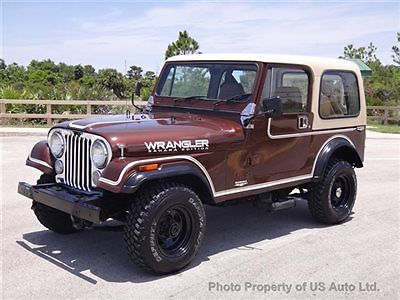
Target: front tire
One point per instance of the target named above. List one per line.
(331, 199)
(165, 228)
(51, 218)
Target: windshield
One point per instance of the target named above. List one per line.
(208, 81)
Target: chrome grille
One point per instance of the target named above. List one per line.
(77, 163)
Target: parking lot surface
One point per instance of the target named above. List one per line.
(247, 252)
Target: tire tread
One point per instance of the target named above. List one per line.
(140, 208)
(316, 193)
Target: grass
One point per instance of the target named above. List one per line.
(377, 126)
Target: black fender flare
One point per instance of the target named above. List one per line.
(170, 170)
(338, 147)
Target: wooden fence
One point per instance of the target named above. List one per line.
(381, 113)
(384, 113)
(50, 116)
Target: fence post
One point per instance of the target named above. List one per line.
(88, 108)
(49, 112)
(385, 115)
(2, 111)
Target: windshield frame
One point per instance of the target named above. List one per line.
(204, 102)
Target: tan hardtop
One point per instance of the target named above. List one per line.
(317, 64)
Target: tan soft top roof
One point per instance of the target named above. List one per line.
(317, 64)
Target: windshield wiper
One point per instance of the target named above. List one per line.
(235, 98)
(189, 98)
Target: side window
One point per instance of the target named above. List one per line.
(166, 90)
(291, 85)
(339, 95)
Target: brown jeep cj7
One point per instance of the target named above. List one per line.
(263, 128)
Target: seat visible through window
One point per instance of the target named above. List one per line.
(329, 105)
(291, 98)
(230, 87)
(339, 95)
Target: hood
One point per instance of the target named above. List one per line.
(162, 132)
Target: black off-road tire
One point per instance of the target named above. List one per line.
(51, 218)
(154, 220)
(331, 199)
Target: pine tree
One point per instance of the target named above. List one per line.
(396, 51)
(185, 44)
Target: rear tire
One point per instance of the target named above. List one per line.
(165, 228)
(331, 199)
(51, 218)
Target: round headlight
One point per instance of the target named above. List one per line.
(99, 154)
(56, 143)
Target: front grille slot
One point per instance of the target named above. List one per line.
(77, 164)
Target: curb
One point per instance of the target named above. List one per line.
(9, 134)
(17, 131)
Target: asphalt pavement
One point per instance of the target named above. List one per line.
(247, 252)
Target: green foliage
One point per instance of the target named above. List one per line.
(383, 87)
(191, 81)
(185, 44)
(8, 92)
(247, 79)
(134, 73)
(89, 70)
(188, 81)
(46, 80)
(113, 80)
(148, 81)
(366, 54)
(12, 74)
(79, 72)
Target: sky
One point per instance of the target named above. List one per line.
(112, 34)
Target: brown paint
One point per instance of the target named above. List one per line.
(235, 153)
(41, 151)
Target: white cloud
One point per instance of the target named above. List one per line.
(302, 28)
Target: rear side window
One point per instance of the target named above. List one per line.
(339, 96)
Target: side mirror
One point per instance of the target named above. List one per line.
(138, 86)
(272, 107)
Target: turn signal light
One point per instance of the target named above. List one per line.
(150, 167)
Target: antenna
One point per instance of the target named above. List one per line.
(128, 113)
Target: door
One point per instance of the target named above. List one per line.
(279, 146)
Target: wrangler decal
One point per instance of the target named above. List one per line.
(173, 146)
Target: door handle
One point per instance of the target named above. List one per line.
(302, 122)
